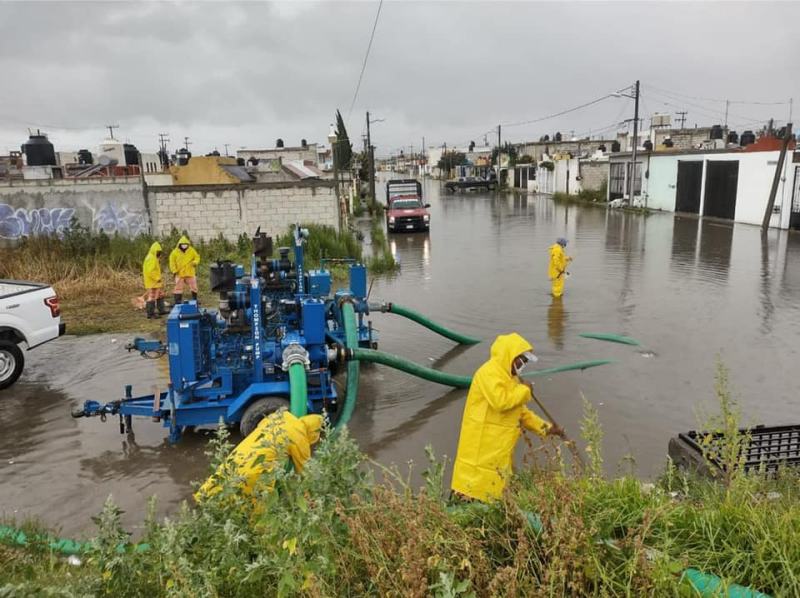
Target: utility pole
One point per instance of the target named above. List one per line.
(226, 148)
(186, 143)
(111, 130)
(635, 141)
(498, 157)
(787, 137)
(422, 157)
(727, 105)
(682, 117)
(162, 143)
(371, 159)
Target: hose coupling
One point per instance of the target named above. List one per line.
(293, 354)
(382, 307)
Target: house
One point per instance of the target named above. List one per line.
(305, 152)
(729, 183)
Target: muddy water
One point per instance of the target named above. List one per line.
(688, 289)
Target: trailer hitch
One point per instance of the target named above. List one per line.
(147, 348)
(93, 408)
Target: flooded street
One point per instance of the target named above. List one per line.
(687, 289)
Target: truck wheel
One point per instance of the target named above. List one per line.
(11, 363)
(258, 410)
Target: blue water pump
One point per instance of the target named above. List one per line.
(233, 364)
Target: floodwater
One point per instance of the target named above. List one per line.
(688, 289)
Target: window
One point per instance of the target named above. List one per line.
(637, 182)
(616, 187)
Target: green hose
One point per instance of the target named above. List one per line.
(430, 324)
(298, 390)
(614, 338)
(709, 585)
(350, 342)
(580, 365)
(410, 367)
(16, 537)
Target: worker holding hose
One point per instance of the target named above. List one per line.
(183, 261)
(557, 271)
(493, 417)
(277, 436)
(153, 283)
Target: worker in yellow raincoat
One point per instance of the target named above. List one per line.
(153, 283)
(183, 261)
(493, 417)
(276, 436)
(557, 271)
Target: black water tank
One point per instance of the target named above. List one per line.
(252, 161)
(557, 137)
(85, 157)
(213, 154)
(240, 161)
(716, 132)
(747, 138)
(668, 142)
(182, 156)
(615, 146)
(733, 137)
(279, 142)
(602, 147)
(648, 145)
(303, 143)
(131, 154)
(39, 151)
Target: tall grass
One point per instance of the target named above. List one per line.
(334, 531)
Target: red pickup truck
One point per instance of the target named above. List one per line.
(404, 208)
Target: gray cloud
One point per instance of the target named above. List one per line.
(247, 73)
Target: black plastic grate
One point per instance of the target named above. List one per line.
(769, 446)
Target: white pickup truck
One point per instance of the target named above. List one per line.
(29, 316)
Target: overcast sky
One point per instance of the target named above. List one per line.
(246, 74)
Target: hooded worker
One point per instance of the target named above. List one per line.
(557, 271)
(183, 261)
(276, 436)
(493, 417)
(153, 283)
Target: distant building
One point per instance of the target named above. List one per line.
(302, 153)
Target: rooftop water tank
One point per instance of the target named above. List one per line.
(85, 157)
(733, 137)
(39, 151)
(131, 154)
(668, 142)
(747, 138)
(557, 137)
(615, 146)
(182, 156)
(716, 132)
(648, 145)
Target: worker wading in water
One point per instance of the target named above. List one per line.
(153, 283)
(494, 415)
(277, 436)
(557, 271)
(183, 263)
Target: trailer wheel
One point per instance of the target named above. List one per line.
(11, 363)
(258, 410)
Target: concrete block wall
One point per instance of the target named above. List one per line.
(208, 211)
(115, 206)
(593, 174)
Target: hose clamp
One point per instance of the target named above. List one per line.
(293, 354)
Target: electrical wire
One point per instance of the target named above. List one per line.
(563, 112)
(697, 107)
(717, 99)
(366, 57)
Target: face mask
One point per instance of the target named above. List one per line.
(183, 247)
(519, 367)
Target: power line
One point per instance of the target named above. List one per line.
(549, 116)
(366, 57)
(704, 99)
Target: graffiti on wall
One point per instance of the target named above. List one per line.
(111, 218)
(118, 219)
(21, 222)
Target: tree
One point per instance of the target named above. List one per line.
(450, 160)
(344, 149)
(507, 149)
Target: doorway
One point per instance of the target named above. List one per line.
(687, 192)
(722, 179)
(794, 220)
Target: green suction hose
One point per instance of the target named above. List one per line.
(351, 343)
(580, 365)
(298, 390)
(398, 363)
(614, 338)
(16, 537)
(417, 317)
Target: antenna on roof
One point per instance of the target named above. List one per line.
(111, 130)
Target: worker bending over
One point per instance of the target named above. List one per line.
(493, 416)
(153, 283)
(276, 436)
(557, 271)
(183, 263)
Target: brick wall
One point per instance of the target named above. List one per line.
(593, 174)
(205, 212)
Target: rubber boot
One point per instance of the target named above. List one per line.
(194, 298)
(150, 307)
(162, 309)
(177, 299)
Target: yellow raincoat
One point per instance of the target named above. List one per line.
(557, 268)
(183, 264)
(275, 436)
(151, 268)
(490, 427)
